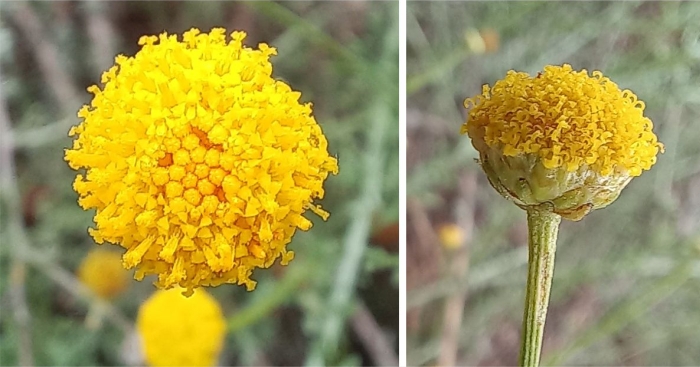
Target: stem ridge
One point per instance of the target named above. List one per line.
(543, 227)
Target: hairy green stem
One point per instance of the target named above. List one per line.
(542, 227)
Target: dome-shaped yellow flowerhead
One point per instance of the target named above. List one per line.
(181, 331)
(197, 161)
(561, 138)
(102, 272)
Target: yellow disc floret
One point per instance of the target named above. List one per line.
(179, 331)
(197, 161)
(568, 118)
(101, 271)
(562, 139)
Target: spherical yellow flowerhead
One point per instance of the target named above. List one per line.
(176, 330)
(101, 271)
(197, 161)
(561, 138)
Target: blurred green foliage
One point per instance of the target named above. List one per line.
(342, 56)
(626, 287)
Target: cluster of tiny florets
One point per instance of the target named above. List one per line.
(197, 161)
(567, 118)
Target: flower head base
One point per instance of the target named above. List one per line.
(102, 272)
(563, 139)
(197, 161)
(179, 331)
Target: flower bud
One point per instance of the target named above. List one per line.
(562, 139)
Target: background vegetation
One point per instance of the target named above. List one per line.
(626, 289)
(336, 303)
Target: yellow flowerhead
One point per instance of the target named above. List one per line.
(197, 161)
(561, 138)
(181, 331)
(451, 236)
(102, 272)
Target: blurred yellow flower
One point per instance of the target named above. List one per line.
(451, 236)
(562, 137)
(102, 272)
(197, 161)
(176, 330)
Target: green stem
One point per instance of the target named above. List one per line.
(543, 227)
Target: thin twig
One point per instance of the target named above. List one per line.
(70, 283)
(426, 237)
(423, 257)
(47, 57)
(358, 231)
(356, 239)
(282, 14)
(41, 136)
(459, 265)
(66, 280)
(356, 236)
(15, 231)
(452, 322)
(10, 193)
(372, 338)
(479, 277)
(102, 35)
(18, 300)
(21, 249)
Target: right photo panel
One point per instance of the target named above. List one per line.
(553, 183)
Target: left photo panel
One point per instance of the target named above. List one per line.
(199, 183)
